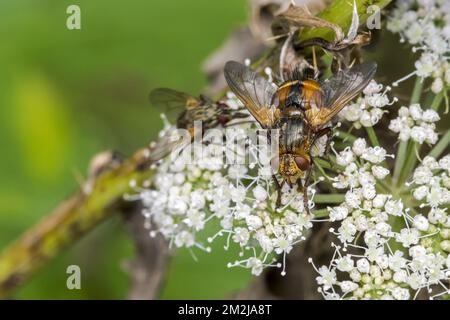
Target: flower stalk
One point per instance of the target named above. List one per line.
(405, 147)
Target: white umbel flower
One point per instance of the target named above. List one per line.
(416, 124)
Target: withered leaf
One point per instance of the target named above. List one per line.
(263, 12)
(299, 16)
(353, 30)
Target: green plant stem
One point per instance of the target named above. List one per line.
(385, 187)
(410, 161)
(446, 102)
(321, 213)
(372, 137)
(322, 171)
(329, 198)
(417, 91)
(346, 136)
(400, 159)
(415, 147)
(441, 146)
(322, 163)
(437, 101)
(340, 12)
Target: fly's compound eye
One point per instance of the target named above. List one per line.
(302, 163)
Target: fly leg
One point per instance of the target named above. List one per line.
(277, 184)
(322, 132)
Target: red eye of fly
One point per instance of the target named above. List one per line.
(302, 163)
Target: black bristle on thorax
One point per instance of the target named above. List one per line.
(301, 74)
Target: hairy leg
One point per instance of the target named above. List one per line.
(277, 184)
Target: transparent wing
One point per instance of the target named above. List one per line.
(172, 142)
(343, 87)
(172, 99)
(253, 90)
(172, 102)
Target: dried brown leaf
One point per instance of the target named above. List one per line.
(263, 12)
(296, 17)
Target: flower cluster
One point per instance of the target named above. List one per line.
(425, 24)
(416, 124)
(431, 182)
(383, 273)
(368, 110)
(228, 185)
(387, 250)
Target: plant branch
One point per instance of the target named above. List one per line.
(69, 221)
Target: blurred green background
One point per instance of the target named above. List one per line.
(68, 94)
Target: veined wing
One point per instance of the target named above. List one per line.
(178, 106)
(170, 99)
(255, 92)
(173, 141)
(339, 90)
